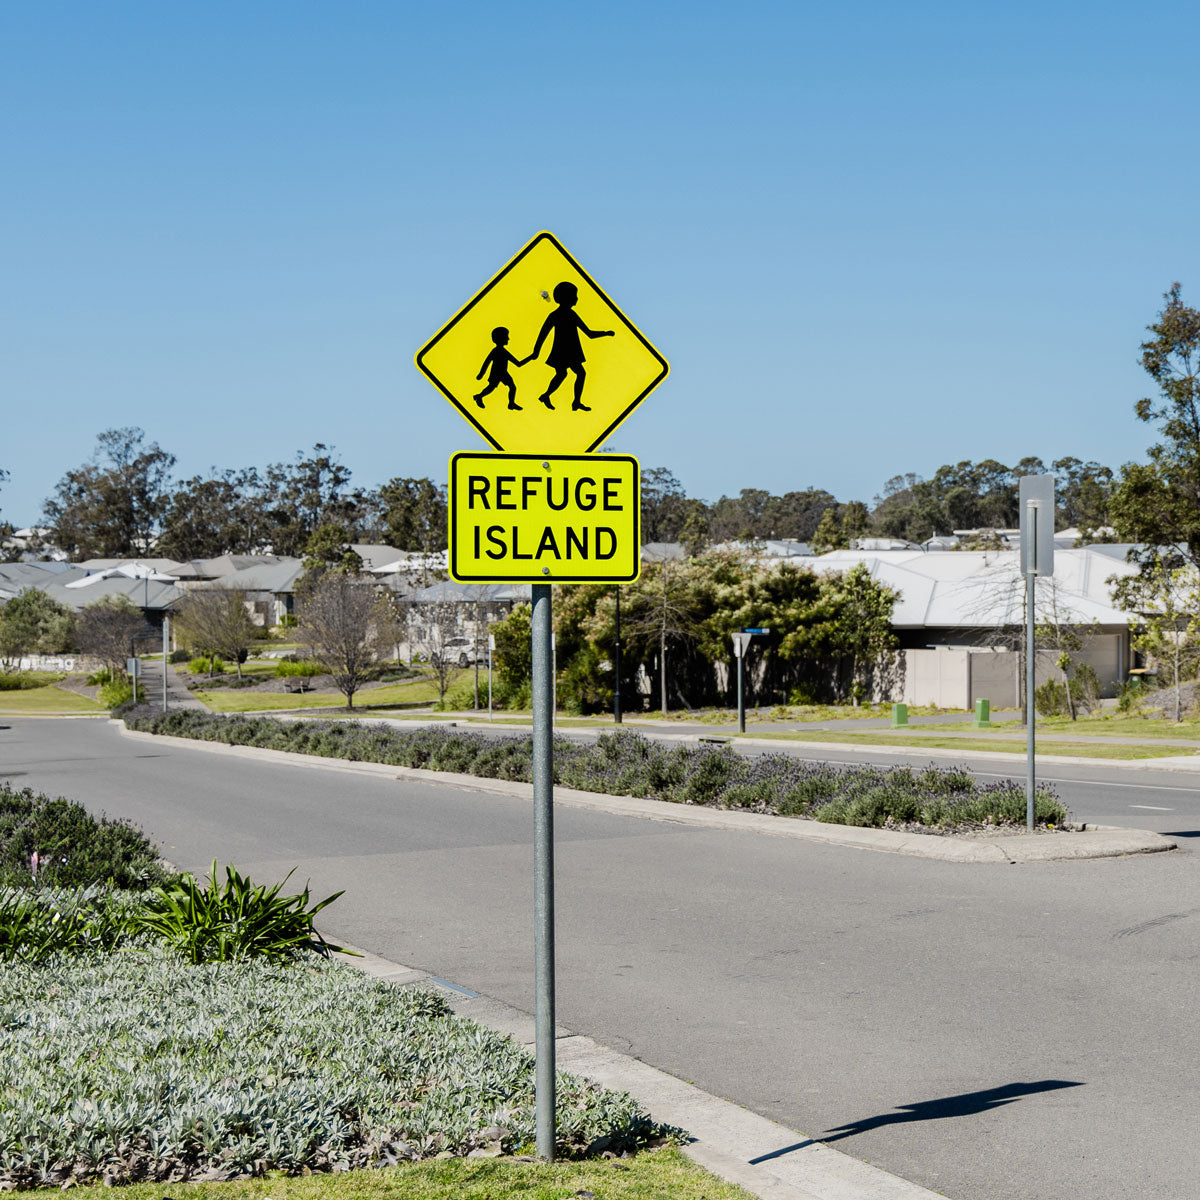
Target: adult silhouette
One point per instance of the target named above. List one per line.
(566, 354)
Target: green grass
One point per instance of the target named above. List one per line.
(663, 1174)
(783, 712)
(20, 680)
(1081, 749)
(1102, 725)
(264, 667)
(46, 700)
(480, 718)
(723, 716)
(418, 691)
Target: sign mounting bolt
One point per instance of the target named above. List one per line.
(545, 570)
(545, 466)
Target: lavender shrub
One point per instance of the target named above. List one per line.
(625, 763)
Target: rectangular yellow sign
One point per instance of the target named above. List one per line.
(545, 518)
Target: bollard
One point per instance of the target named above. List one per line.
(983, 714)
(899, 715)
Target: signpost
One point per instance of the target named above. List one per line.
(741, 643)
(617, 662)
(546, 509)
(1036, 497)
(166, 630)
(491, 651)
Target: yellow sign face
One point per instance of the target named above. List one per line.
(544, 518)
(541, 360)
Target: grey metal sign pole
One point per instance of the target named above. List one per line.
(491, 649)
(166, 644)
(1030, 679)
(543, 867)
(739, 648)
(617, 663)
(1036, 499)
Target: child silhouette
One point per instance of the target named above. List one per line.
(498, 361)
(567, 352)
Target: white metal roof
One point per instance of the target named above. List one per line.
(984, 588)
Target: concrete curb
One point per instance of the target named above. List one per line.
(766, 1158)
(1096, 842)
(55, 716)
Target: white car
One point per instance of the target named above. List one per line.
(461, 650)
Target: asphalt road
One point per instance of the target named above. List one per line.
(990, 1031)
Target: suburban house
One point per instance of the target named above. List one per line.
(269, 585)
(959, 618)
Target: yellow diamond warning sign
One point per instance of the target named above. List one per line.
(541, 360)
(544, 518)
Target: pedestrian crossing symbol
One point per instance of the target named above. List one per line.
(541, 360)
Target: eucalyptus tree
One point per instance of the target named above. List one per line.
(1157, 503)
(112, 506)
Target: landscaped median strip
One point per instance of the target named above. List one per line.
(1070, 843)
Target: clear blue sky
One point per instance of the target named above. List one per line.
(869, 238)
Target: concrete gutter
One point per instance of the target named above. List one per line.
(766, 1158)
(1088, 842)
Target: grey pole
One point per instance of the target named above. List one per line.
(166, 644)
(741, 656)
(491, 647)
(543, 868)
(1030, 672)
(617, 664)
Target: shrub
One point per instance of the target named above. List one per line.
(1051, 698)
(462, 697)
(286, 668)
(179, 656)
(100, 677)
(234, 921)
(203, 665)
(17, 681)
(75, 848)
(118, 692)
(1131, 694)
(626, 763)
(38, 925)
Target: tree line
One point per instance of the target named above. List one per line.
(124, 501)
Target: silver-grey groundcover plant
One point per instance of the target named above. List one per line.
(134, 1065)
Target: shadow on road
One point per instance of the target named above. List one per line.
(1181, 833)
(964, 1105)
